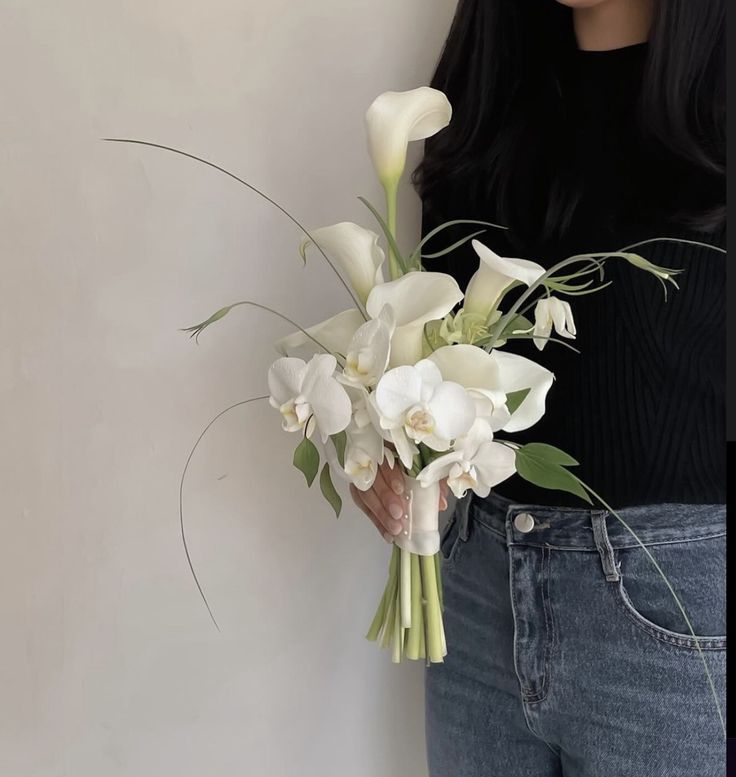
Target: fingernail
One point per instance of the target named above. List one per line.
(396, 527)
(395, 511)
(398, 487)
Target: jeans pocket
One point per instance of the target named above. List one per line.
(696, 571)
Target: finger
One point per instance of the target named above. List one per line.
(393, 477)
(374, 503)
(394, 506)
(443, 494)
(358, 499)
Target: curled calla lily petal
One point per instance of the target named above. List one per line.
(549, 312)
(515, 374)
(477, 463)
(354, 250)
(468, 365)
(494, 275)
(303, 390)
(394, 119)
(415, 298)
(367, 355)
(334, 334)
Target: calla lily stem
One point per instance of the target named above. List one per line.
(391, 190)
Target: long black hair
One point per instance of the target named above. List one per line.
(499, 68)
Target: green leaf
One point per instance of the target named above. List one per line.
(548, 454)
(517, 322)
(328, 490)
(515, 398)
(432, 339)
(415, 254)
(544, 466)
(306, 459)
(453, 246)
(340, 441)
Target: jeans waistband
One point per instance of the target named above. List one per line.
(580, 528)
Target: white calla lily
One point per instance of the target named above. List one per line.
(368, 353)
(334, 334)
(416, 405)
(477, 463)
(549, 312)
(354, 250)
(494, 275)
(394, 119)
(492, 375)
(479, 373)
(515, 374)
(416, 298)
(303, 390)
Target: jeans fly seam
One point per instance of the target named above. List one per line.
(549, 626)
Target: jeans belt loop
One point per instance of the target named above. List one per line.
(603, 544)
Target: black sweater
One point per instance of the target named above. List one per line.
(642, 407)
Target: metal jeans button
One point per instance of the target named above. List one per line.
(524, 522)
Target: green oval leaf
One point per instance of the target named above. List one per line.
(328, 490)
(306, 459)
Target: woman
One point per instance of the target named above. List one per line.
(583, 126)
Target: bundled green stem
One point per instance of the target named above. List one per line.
(408, 619)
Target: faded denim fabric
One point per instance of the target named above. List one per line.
(567, 654)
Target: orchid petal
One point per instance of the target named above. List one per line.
(452, 409)
(285, 378)
(397, 391)
(331, 406)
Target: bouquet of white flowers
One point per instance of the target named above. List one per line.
(416, 373)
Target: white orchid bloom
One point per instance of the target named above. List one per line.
(549, 312)
(477, 463)
(415, 405)
(416, 298)
(478, 372)
(334, 334)
(303, 390)
(368, 353)
(364, 443)
(363, 453)
(495, 274)
(394, 119)
(354, 250)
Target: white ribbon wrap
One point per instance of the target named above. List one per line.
(420, 532)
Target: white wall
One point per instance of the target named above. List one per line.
(108, 662)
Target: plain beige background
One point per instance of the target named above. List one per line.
(109, 665)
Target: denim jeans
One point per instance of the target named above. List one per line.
(567, 654)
